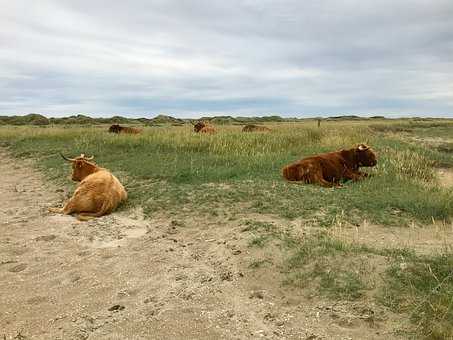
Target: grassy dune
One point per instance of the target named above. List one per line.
(174, 170)
(167, 168)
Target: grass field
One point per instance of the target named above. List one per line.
(173, 170)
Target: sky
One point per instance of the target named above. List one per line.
(192, 58)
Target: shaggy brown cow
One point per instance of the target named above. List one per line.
(203, 127)
(328, 169)
(98, 193)
(116, 128)
(253, 128)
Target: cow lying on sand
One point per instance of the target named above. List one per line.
(253, 128)
(328, 169)
(203, 127)
(98, 193)
(116, 128)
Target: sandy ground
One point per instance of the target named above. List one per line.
(126, 277)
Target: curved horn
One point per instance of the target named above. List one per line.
(85, 157)
(66, 158)
(363, 147)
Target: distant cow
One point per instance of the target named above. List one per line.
(203, 127)
(253, 128)
(116, 128)
(98, 193)
(328, 169)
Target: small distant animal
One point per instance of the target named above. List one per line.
(116, 128)
(328, 169)
(253, 128)
(98, 193)
(203, 127)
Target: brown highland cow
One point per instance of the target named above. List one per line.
(203, 127)
(98, 193)
(116, 128)
(328, 169)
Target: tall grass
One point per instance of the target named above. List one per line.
(166, 168)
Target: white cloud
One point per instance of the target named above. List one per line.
(244, 57)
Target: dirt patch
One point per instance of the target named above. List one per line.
(124, 276)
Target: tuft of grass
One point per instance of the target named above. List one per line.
(328, 267)
(339, 283)
(264, 232)
(259, 263)
(422, 287)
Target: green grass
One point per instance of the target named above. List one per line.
(170, 168)
(423, 288)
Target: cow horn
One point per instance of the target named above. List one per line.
(86, 158)
(66, 158)
(363, 147)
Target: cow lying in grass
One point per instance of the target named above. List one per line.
(116, 128)
(328, 169)
(202, 127)
(253, 128)
(98, 193)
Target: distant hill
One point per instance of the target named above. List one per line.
(246, 120)
(163, 119)
(78, 119)
(349, 117)
(85, 119)
(221, 120)
(30, 119)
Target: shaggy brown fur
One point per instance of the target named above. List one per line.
(98, 193)
(328, 169)
(253, 128)
(116, 128)
(203, 127)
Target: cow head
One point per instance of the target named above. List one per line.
(365, 155)
(198, 126)
(81, 167)
(115, 128)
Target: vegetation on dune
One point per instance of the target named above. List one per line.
(402, 187)
(423, 288)
(161, 119)
(420, 286)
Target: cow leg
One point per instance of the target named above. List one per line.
(319, 179)
(355, 176)
(85, 216)
(363, 174)
(66, 210)
(106, 208)
(56, 210)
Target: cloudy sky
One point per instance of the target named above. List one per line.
(203, 57)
